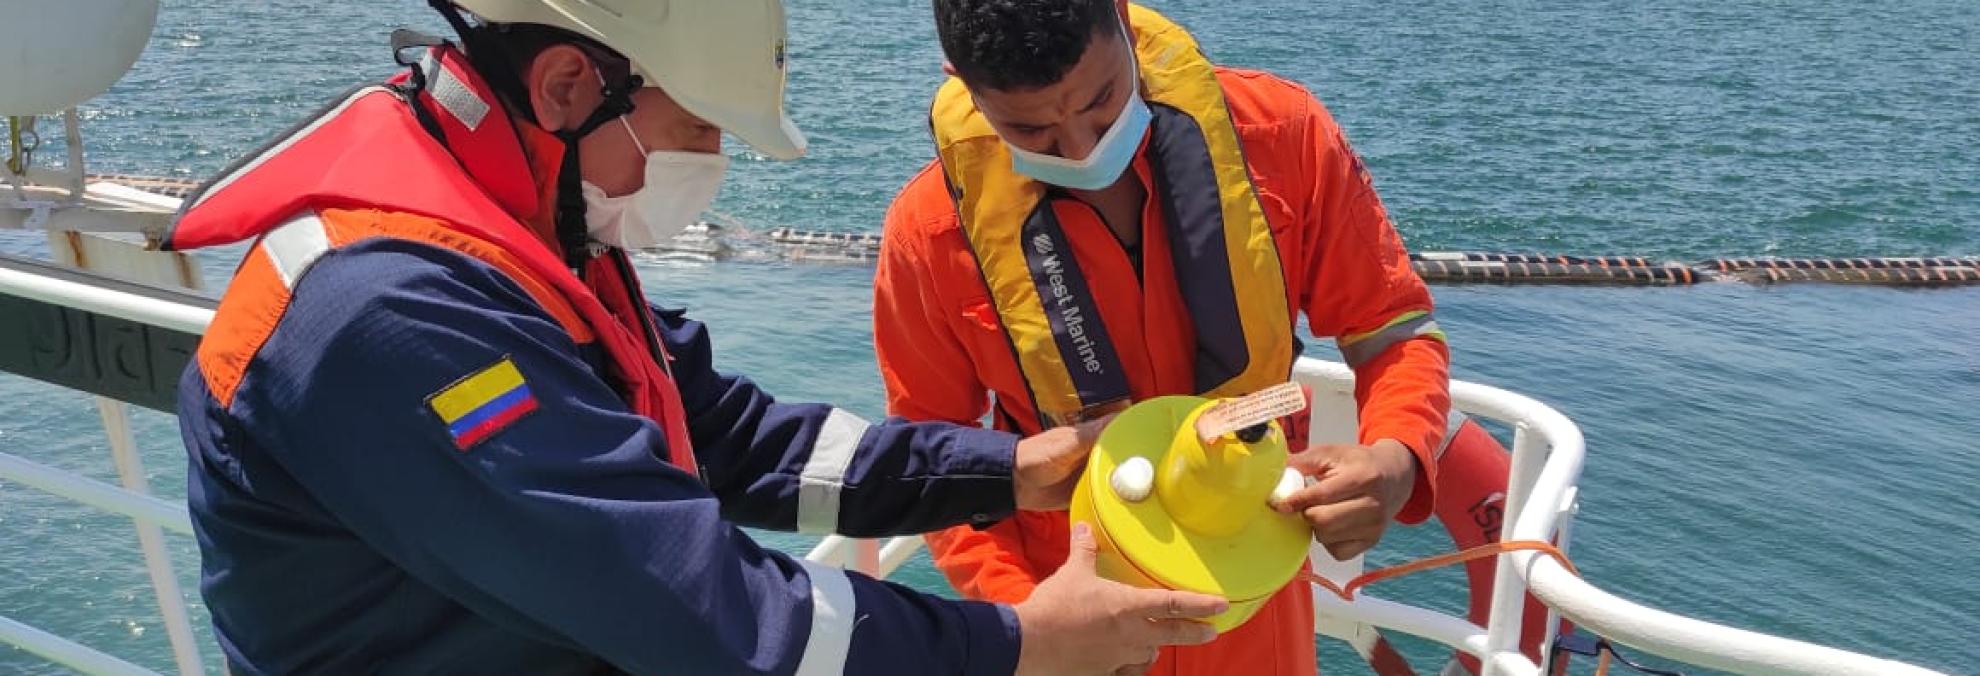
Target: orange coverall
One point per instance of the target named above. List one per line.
(942, 351)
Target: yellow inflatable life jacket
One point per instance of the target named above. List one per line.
(1225, 260)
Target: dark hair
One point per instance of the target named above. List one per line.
(1019, 44)
(524, 41)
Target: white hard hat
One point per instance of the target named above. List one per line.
(722, 60)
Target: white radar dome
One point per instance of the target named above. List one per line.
(55, 54)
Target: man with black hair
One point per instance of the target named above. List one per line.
(1110, 217)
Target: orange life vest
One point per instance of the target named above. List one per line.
(429, 157)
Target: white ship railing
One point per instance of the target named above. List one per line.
(1548, 453)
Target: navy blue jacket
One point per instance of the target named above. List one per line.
(343, 531)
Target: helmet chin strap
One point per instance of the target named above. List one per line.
(489, 58)
(572, 233)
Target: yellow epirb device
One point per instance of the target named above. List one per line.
(1169, 510)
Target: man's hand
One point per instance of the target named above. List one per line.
(1077, 623)
(1360, 489)
(1049, 465)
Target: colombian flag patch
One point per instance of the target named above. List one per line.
(476, 407)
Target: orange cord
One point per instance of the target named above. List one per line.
(1420, 565)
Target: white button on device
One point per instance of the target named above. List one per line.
(1289, 482)
(1133, 480)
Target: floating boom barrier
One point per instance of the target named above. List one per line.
(1451, 267)
(1479, 267)
(714, 242)
(1934, 276)
(1473, 267)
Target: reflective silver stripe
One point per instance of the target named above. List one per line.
(1451, 426)
(824, 474)
(453, 95)
(279, 146)
(293, 246)
(833, 609)
(1361, 351)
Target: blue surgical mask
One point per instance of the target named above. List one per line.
(1109, 157)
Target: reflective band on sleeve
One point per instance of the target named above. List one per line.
(833, 615)
(824, 475)
(1359, 349)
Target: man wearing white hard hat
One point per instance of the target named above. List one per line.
(435, 427)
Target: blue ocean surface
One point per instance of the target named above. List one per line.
(1799, 460)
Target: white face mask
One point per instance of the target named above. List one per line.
(679, 187)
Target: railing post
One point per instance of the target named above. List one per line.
(151, 539)
(1502, 627)
(72, 131)
(1564, 531)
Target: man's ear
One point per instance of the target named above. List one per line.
(949, 68)
(563, 87)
